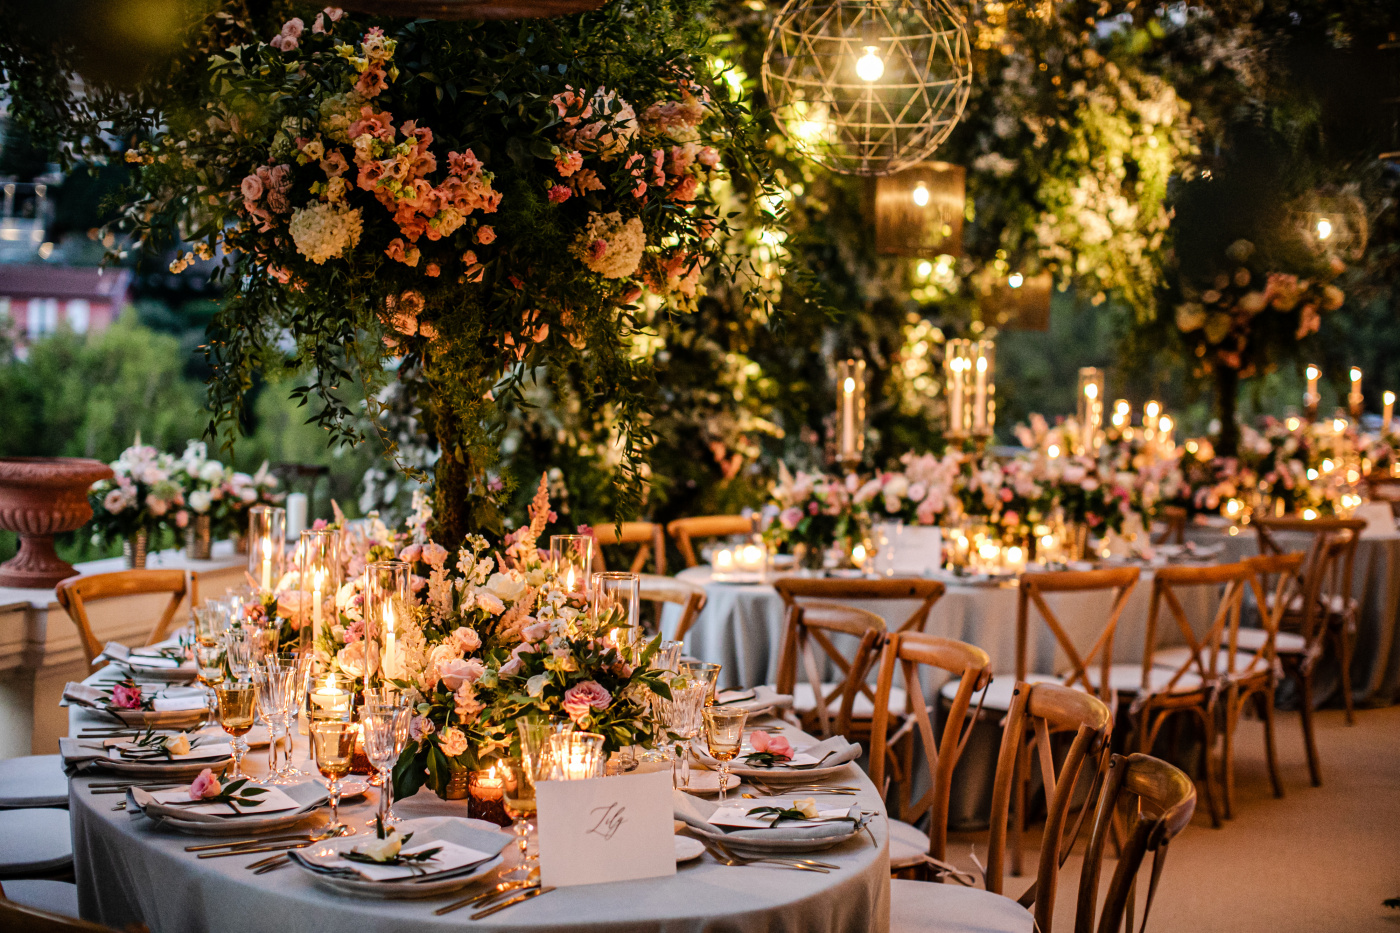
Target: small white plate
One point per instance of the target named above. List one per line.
(706, 783)
(688, 848)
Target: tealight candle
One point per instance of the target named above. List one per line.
(329, 701)
(724, 560)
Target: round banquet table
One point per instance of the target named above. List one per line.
(128, 871)
(742, 624)
(1375, 666)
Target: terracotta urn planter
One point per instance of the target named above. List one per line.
(39, 498)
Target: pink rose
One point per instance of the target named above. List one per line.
(411, 554)
(252, 188)
(457, 672)
(434, 555)
(206, 785)
(581, 698)
(789, 517)
(420, 727)
(533, 633)
(486, 235)
(510, 668)
(294, 605)
(126, 697)
(466, 639)
(182, 519)
(775, 745)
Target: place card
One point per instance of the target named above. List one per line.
(605, 829)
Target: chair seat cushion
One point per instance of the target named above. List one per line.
(57, 897)
(1127, 678)
(1252, 639)
(34, 841)
(998, 692)
(1172, 659)
(928, 907)
(908, 844)
(33, 781)
(861, 707)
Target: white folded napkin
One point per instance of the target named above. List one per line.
(78, 752)
(737, 817)
(84, 695)
(180, 699)
(452, 857)
(140, 657)
(178, 805)
(211, 751)
(830, 753)
(697, 814)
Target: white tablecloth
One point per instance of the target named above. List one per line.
(741, 626)
(130, 872)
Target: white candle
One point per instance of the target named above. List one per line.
(389, 666)
(266, 563)
(955, 404)
(296, 514)
(318, 578)
(1389, 412)
(1311, 398)
(979, 403)
(1354, 397)
(848, 419)
(724, 560)
(1091, 416)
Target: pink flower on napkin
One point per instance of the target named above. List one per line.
(126, 697)
(206, 785)
(581, 698)
(775, 745)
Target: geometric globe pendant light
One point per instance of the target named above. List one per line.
(867, 87)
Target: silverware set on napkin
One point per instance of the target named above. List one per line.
(726, 856)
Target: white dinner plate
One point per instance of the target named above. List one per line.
(253, 825)
(688, 848)
(152, 719)
(396, 890)
(167, 769)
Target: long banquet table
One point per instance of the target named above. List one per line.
(742, 624)
(128, 871)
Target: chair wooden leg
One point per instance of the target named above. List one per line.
(1227, 749)
(1344, 659)
(1309, 739)
(1207, 758)
(1264, 702)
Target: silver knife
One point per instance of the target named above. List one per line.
(519, 898)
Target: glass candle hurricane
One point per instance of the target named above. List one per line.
(575, 756)
(571, 557)
(267, 544)
(318, 566)
(387, 606)
(850, 412)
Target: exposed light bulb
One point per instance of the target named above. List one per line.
(1015, 279)
(1324, 226)
(920, 194)
(870, 66)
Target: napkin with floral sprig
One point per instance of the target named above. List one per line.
(699, 815)
(167, 655)
(129, 695)
(826, 754)
(210, 800)
(443, 846)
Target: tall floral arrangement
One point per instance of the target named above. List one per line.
(920, 494)
(453, 203)
(815, 512)
(215, 489)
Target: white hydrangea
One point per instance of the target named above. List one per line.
(325, 231)
(611, 246)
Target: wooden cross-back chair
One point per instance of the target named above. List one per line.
(1325, 610)
(1034, 587)
(19, 917)
(684, 531)
(650, 539)
(1161, 800)
(76, 594)
(810, 628)
(1173, 530)
(1037, 711)
(661, 590)
(971, 668)
(797, 592)
(1189, 679)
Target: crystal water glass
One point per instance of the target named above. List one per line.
(575, 756)
(703, 671)
(386, 732)
(333, 745)
(724, 735)
(276, 680)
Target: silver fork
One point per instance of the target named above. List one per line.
(735, 861)
(724, 847)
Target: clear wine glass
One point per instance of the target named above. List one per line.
(518, 782)
(386, 733)
(333, 744)
(724, 734)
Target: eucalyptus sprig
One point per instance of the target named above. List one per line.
(766, 759)
(801, 810)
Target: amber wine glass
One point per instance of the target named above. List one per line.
(236, 701)
(518, 784)
(724, 734)
(333, 744)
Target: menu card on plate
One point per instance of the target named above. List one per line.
(605, 829)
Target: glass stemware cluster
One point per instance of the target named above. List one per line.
(384, 720)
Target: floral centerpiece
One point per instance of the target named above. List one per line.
(810, 513)
(920, 494)
(144, 496)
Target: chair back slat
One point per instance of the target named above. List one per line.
(1160, 800)
(650, 538)
(1038, 711)
(689, 596)
(76, 594)
(685, 530)
(1119, 581)
(1327, 574)
(1204, 643)
(911, 651)
(20, 917)
(927, 592)
(807, 628)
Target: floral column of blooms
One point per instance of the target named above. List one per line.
(454, 203)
